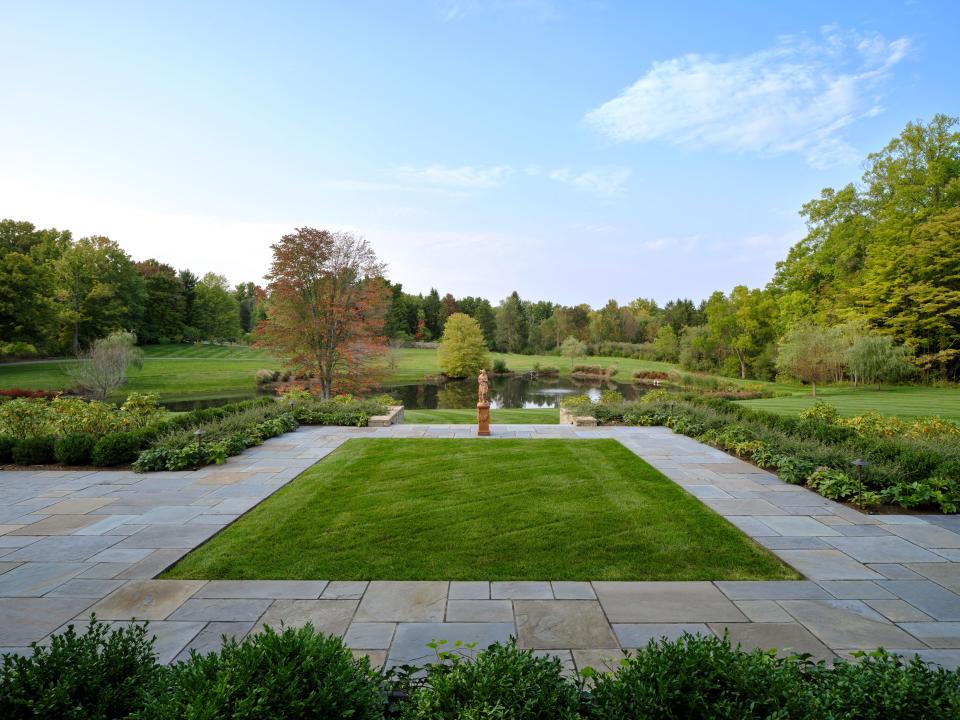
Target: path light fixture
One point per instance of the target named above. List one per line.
(198, 434)
(860, 464)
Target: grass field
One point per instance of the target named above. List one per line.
(196, 372)
(390, 509)
(504, 416)
(905, 401)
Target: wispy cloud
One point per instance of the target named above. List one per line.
(466, 176)
(794, 97)
(451, 10)
(608, 182)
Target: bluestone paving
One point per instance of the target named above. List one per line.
(637, 635)
(73, 541)
(559, 624)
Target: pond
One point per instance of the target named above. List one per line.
(512, 391)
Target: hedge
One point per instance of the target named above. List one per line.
(299, 673)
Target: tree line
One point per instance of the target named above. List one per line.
(58, 294)
(881, 258)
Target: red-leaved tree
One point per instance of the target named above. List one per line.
(327, 307)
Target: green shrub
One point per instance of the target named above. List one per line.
(98, 675)
(119, 448)
(880, 686)
(294, 674)
(6, 448)
(74, 449)
(702, 677)
(34, 451)
(501, 682)
(500, 366)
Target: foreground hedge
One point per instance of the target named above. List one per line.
(299, 673)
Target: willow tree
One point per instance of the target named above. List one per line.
(327, 308)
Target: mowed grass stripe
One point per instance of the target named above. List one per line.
(438, 509)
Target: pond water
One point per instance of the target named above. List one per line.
(513, 391)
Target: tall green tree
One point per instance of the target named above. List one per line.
(511, 324)
(163, 310)
(98, 290)
(462, 351)
(27, 289)
(743, 324)
(217, 310)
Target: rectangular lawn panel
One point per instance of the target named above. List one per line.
(439, 509)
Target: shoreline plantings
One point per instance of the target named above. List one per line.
(107, 674)
(76, 432)
(911, 464)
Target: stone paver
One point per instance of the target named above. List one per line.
(559, 624)
(788, 637)
(665, 602)
(72, 542)
(401, 601)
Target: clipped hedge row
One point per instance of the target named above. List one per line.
(907, 471)
(299, 673)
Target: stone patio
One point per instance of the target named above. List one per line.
(72, 543)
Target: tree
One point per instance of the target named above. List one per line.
(431, 312)
(875, 358)
(511, 325)
(810, 354)
(481, 311)
(163, 303)
(99, 290)
(216, 310)
(573, 348)
(462, 351)
(743, 323)
(328, 303)
(189, 283)
(666, 345)
(27, 291)
(102, 368)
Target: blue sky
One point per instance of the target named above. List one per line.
(573, 151)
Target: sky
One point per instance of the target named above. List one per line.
(572, 151)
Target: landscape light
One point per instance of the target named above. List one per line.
(860, 465)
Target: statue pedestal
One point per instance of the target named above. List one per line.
(483, 419)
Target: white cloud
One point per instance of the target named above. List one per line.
(794, 97)
(451, 10)
(607, 182)
(466, 176)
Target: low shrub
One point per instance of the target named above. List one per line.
(500, 367)
(651, 375)
(119, 448)
(36, 450)
(6, 448)
(265, 377)
(702, 677)
(100, 674)
(501, 682)
(74, 449)
(597, 370)
(24, 393)
(297, 673)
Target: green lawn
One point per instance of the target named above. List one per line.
(428, 509)
(546, 416)
(194, 372)
(904, 401)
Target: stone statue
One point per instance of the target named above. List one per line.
(484, 388)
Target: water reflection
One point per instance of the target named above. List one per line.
(505, 392)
